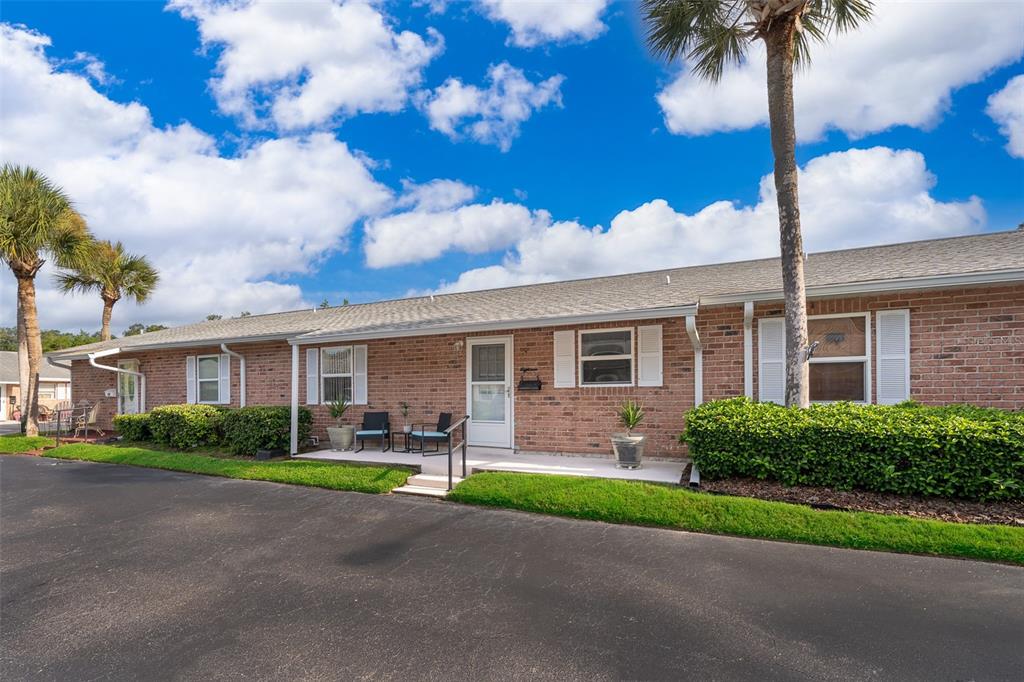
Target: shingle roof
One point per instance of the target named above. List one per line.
(9, 369)
(645, 292)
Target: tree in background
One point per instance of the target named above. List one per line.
(325, 304)
(51, 339)
(113, 274)
(712, 35)
(211, 318)
(139, 328)
(36, 220)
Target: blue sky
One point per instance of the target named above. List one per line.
(254, 187)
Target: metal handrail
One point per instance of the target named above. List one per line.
(463, 422)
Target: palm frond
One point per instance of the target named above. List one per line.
(710, 35)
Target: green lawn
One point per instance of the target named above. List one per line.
(14, 443)
(655, 505)
(364, 479)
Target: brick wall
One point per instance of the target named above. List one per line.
(967, 345)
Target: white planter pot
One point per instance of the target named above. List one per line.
(407, 428)
(629, 450)
(341, 437)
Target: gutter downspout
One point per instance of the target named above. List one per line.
(698, 360)
(294, 449)
(698, 381)
(57, 364)
(241, 372)
(119, 370)
(748, 350)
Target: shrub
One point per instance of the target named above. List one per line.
(260, 427)
(955, 451)
(133, 426)
(186, 426)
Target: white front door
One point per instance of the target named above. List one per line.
(128, 388)
(489, 391)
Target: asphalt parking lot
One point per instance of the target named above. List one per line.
(111, 572)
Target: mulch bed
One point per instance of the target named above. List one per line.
(959, 511)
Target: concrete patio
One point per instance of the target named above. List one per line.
(496, 459)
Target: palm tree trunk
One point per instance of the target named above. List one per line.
(779, 41)
(29, 318)
(108, 310)
(22, 365)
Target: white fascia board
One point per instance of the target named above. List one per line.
(876, 286)
(647, 314)
(204, 343)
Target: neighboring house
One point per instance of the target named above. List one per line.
(939, 321)
(54, 385)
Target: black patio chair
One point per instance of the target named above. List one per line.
(431, 433)
(375, 425)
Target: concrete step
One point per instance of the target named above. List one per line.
(421, 490)
(432, 481)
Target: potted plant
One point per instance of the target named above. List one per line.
(403, 407)
(629, 449)
(342, 435)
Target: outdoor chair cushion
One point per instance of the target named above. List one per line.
(429, 434)
(371, 432)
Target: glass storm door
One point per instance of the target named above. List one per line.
(489, 392)
(128, 388)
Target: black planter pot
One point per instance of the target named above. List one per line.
(269, 454)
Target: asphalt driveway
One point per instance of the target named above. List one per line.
(111, 572)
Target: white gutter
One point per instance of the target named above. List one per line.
(241, 372)
(874, 286)
(121, 370)
(748, 349)
(698, 360)
(457, 328)
(294, 449)
(199, 343)
(57, 364)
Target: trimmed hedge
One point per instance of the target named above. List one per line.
(956, 451)
(186, 426)
(133, 427)
(259, 427)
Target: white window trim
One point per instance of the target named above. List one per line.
(866, 358)
(631, 357)
(350, 374)
(216, 380)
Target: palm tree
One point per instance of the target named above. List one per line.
(712, 34)
(113, 274)
(36, 219)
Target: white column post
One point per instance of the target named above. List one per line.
(748, 349)
(295, 400)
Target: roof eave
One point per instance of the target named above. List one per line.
(75, 354)
(875, 286)
(644, 314)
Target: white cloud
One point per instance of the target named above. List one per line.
(221, 229)
(1006, 108)
(853, 198)
(492, 115)
(440, 220)
(534, 22)
(308, 63)
(900, 69)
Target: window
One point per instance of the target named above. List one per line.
(208, 378)
(839, 367)
(606, 357)
(335, 374)
(47, 392)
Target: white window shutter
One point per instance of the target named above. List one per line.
(190, 379)
(359, 392)
(565, 359)
(312, 376)
(892, 359)
(224, 388)
(771, 357)
(649, 350)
